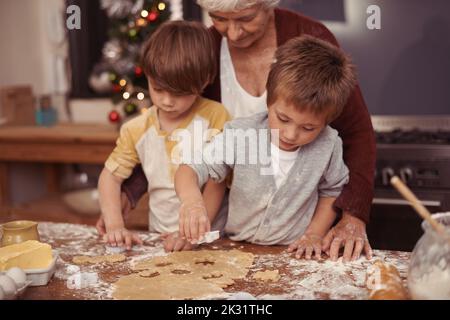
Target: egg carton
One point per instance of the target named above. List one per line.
(18, 292)
(41, 277)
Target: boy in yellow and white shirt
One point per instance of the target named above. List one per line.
(178, 61)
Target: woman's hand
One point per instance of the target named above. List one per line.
(349, 233)
(173, 242)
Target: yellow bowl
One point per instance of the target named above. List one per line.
(19, 231)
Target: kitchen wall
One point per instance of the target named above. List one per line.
(404, 68)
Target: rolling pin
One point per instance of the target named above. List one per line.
(384, 282)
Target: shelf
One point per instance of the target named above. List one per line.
(52, 208)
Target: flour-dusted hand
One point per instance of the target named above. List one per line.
(120, 237)
(173, 242)
(349, 233)
(306, 245)
(126, 209)
(194, 221)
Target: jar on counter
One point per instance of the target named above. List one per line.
(429, 270)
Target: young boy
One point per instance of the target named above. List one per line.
(290, 201)
(179, 62)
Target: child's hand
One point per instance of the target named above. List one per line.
(194, 221)
(173, 242)
(121, 236)
(307, 244)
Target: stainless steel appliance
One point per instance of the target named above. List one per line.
(417, 149)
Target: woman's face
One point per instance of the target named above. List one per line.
(244, 27)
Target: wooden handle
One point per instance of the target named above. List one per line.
(416, 204)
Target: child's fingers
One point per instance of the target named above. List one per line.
(187, 229)
(194, 228)
(179, 244)
(128, 241)
(308, 252)
(293, 246)
(203, 226)
(119, 238)
(300, 250)
(318, 251)
(112, 239)
(168, 244)
(135, 237)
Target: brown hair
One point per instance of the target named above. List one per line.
(179, 57)
(312, 75)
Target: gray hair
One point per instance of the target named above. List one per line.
(232, 5)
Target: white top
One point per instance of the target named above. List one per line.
(282, 162)
(238, 102)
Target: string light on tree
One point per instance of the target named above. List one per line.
(130, 109)
(138, 71)
(152, 16)
(161, 6)
(131, 22)
(140, 96)
(114, 116)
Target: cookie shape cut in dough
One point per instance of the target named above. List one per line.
(268, 275)
(184, 275)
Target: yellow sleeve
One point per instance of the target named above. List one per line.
(216, 114)
(124, 156)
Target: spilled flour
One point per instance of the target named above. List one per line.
(299, 279)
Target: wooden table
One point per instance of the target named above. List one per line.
(63, 143)
(300, 279)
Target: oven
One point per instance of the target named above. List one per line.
(417, 149)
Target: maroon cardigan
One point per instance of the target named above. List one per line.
(354, 125)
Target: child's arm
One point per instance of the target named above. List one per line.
(193, 213)
(212, 197)
(109, 191)
(311, 240)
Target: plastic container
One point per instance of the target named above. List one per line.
(40, 277)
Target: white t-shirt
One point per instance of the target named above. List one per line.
(238, 102)
(282, 162)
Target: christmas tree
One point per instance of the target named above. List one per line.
(130, 23)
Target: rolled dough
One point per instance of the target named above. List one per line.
(184, 275)
(99, 259)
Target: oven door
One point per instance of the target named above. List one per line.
(394, 225)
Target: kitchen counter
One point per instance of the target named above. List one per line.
(300, 279)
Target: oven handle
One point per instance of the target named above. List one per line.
(402, 202)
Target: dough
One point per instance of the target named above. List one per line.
(99, 259)
(268, 275)
(384, 282)
(163, 287)
(184, 275)
(30, 254)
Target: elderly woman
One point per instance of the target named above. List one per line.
(247, 33)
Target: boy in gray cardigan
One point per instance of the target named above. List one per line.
(287, 166)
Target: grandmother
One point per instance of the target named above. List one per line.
(246, 34)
